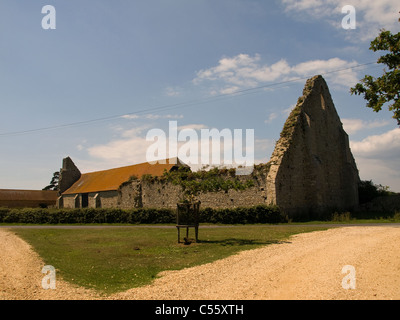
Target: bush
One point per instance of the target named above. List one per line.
(367, 191)
(257, 214)
(241, 215)
(341, 217)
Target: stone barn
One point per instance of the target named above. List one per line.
(102, 189)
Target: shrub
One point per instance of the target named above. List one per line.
(340, 217)
(367, 191)
(241, 215)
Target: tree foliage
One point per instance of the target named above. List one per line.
(54, 182)
(367, 191)
(385, 89)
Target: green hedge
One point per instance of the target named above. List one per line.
(258, 214)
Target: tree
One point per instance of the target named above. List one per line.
(54, 182)
(384, 89)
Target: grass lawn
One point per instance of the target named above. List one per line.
(116, 259)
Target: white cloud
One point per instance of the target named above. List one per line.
(272, 116)
(371, 16)
(244, 71)
(227, 90)
(344, 77)
(380, 172)
(131, 147)
(173, 91)
(383, 146)
(378, 157)
(287, 111)
(352, 126)
(122, 151)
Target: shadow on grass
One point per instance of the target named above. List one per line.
(242, 242)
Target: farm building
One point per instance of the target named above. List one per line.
(12, 198)
(102, 189)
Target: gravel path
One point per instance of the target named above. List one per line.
(307, 266)
(21, 274)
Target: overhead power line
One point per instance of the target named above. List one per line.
(176, 105)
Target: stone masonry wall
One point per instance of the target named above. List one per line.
(69, 174)
(103, 199)
(130, 195)
(68, 201)
(312, 168)
(161, 194)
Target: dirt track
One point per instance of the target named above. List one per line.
(307, 266)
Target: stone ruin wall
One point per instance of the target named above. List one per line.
(312, 168)
(69, 173)
(161, 194)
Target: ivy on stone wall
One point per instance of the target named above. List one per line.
(202, 181)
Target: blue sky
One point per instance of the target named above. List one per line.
(140, 64)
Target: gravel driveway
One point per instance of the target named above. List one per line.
(306, 266)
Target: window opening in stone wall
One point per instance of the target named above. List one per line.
(85, 200)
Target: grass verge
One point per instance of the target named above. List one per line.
(116, 259)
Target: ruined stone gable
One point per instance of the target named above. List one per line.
(69, 174)
(312, 167)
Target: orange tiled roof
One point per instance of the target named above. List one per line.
(108, 180)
